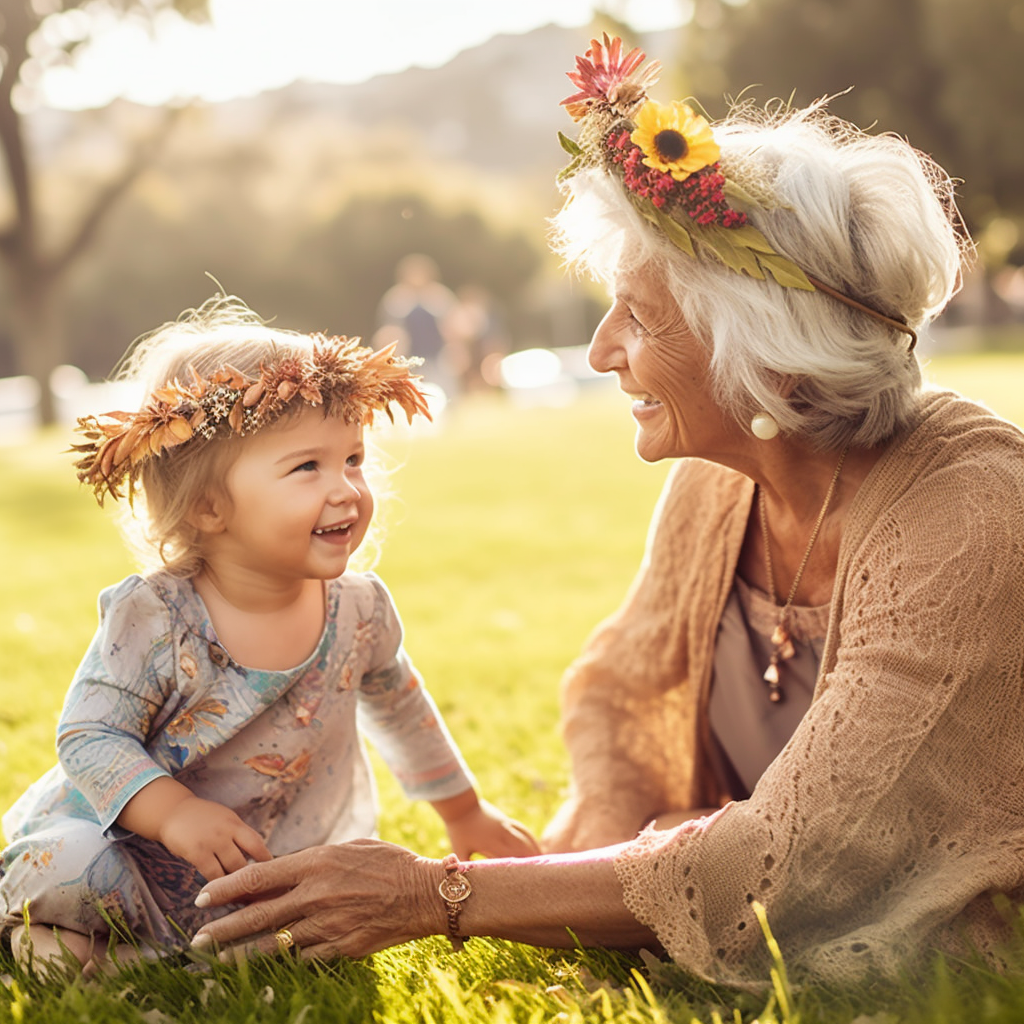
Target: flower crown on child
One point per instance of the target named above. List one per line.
(339, 374)
(668, 162)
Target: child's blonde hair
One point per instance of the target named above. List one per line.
(173, 366)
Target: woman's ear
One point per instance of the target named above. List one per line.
(208, 514)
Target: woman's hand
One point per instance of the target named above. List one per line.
(347, 900)
(484, 829)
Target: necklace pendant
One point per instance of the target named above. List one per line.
(771, 677)
(784, 649)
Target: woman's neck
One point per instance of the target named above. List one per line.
(263, 626)
(795, 479)
(795, 482)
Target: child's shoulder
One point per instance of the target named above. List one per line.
(156, 593)
(367, 595)
(361, 587)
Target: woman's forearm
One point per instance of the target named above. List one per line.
(554, 900)
(365, 895)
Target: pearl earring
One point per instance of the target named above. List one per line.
(764, 426)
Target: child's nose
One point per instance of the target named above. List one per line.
(344, 491)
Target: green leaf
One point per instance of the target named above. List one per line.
(750, 237)
(677, 233)
(569, 170)
(785, 271)
(742, 199)
(731, 250)
(571, 147)
(739, 196)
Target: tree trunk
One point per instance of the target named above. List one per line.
(39, 341)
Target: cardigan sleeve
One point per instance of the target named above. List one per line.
(898, 804)
(630, 702)
(123, 682)
(398, 715)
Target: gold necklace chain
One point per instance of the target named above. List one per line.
(781, 639)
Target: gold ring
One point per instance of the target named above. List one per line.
(285, 939)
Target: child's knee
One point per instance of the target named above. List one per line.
(63, 877)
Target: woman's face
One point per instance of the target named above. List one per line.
(662, 366)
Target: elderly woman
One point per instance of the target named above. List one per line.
(821, 662)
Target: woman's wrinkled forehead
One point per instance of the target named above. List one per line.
(643, 288)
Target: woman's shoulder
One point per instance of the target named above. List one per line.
(954, 442)
(957, 424)
(955, 478)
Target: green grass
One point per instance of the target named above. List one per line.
(510, 534)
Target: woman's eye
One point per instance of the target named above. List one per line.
(638, 328)
(634, 324)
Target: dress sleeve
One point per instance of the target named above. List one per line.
(124, 680)
(398, 715)
(898, 804)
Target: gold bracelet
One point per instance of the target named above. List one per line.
(454, 889)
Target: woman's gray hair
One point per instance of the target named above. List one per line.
(868, 215)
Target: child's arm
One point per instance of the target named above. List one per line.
(402, 721)
(475, 826)
(205, 833)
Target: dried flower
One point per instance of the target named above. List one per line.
(348, 379)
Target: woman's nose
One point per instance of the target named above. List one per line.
(604, 353)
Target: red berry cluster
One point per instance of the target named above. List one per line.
(701, 195)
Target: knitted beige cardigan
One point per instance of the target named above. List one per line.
(897, 807)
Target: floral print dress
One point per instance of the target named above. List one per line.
(157, 694)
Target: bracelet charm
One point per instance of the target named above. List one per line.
(454, 889)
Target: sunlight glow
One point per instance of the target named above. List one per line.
(253, 45)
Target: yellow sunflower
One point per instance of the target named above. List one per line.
(674, 139)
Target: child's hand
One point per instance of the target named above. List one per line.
(483, 829)
(211, 837)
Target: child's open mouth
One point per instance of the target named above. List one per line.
(323, 531)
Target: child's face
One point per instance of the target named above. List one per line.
(298, 503)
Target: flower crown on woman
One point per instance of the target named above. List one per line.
(338, 374)
(668, 163)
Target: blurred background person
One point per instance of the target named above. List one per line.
(477, 341)
(414, 311)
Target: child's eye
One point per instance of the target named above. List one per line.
(306, 467)
(355, 459)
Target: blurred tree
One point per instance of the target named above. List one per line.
(37, 267)
(944, 73)
(361, 246)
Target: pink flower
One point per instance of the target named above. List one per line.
(610, 78)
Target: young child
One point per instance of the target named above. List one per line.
(214, 717)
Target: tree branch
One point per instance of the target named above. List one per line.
(19, 240)
(143, 158)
